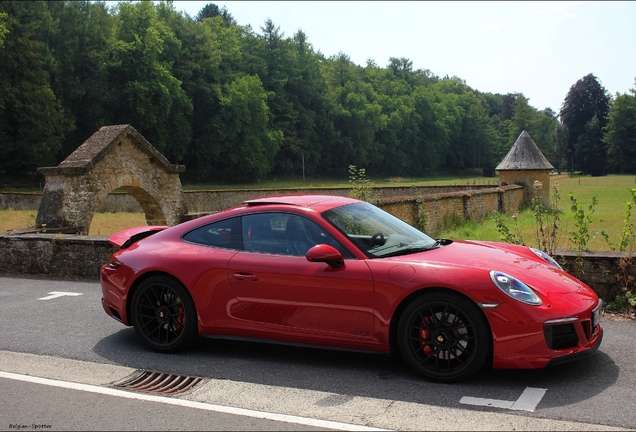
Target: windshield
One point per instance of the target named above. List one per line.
(376, 232)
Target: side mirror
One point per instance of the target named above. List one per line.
(327, 254)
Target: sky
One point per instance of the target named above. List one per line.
(540, 49)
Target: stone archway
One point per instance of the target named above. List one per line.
(113, 157)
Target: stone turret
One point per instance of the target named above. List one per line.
(523, 165)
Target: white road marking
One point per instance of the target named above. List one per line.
(495, 403)
(528, 400)
(190, 404)
(56, 294)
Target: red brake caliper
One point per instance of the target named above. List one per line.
(425, 335)
(180, 318)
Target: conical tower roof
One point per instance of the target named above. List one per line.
(524, 155)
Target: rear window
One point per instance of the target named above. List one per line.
(224, 234)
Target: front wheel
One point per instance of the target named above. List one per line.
(164, 315)
(444, 336)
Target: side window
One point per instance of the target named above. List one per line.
(265, 233)
(222, 234)
(284, 234)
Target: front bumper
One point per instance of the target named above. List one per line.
(523, 341)
(578, 355)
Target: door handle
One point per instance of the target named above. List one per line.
(246, 277)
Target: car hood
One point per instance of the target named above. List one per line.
(521, 263)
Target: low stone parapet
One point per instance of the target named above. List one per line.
(56, 255)
(77, 256)
(601, 270)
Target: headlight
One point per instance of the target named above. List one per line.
(515, 288)
(544, 256)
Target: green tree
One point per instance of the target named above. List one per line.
(242, 146)
(280, 68)
(399, 136)
(432, 134)
(402, 68)
(207, 58)
(471, 135)
(492, 102)
(590, 151)
(81, 50)
(522, 118)
(560, 138)
(32, 121)
(146, 94)
(175, 78)
(539, 124)
(620, 133)
(358, 118)
(305, 89)
(211, 10)
(253, 49)
(3, 27)
(585, 99)
(508, 101)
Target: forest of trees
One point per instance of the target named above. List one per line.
(237, 105)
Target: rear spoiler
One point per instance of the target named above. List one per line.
(124, 239)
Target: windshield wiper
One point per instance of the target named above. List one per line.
(412, 249)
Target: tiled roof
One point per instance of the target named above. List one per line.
(95, 147)
(524, 155)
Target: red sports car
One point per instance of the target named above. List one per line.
(338, 272)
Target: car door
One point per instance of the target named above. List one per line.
(279, 288)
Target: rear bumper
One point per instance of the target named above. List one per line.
(113, 295)
(109, 308)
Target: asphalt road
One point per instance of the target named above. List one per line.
(31, 406)
(67, 335)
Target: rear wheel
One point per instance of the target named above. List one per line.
(444, 336)
(164, 315)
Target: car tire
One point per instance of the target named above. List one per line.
(444, 336)
(164, 315)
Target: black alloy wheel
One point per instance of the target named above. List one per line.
(444, 336)
(164, 315)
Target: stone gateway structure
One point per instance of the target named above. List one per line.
(114, 157)
(523, 165)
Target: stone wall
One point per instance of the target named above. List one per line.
(210, 201)
(526, 178)
(20, 201)
(73, 256)
(442, 209)
(438, 205)
(57, 255)
(599, 269)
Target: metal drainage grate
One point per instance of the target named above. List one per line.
(156, 382)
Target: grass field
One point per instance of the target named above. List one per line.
(612, 193)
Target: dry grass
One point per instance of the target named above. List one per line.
(102, 224)
(17, 219)
(110, 223)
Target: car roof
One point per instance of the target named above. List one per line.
(316, 202)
